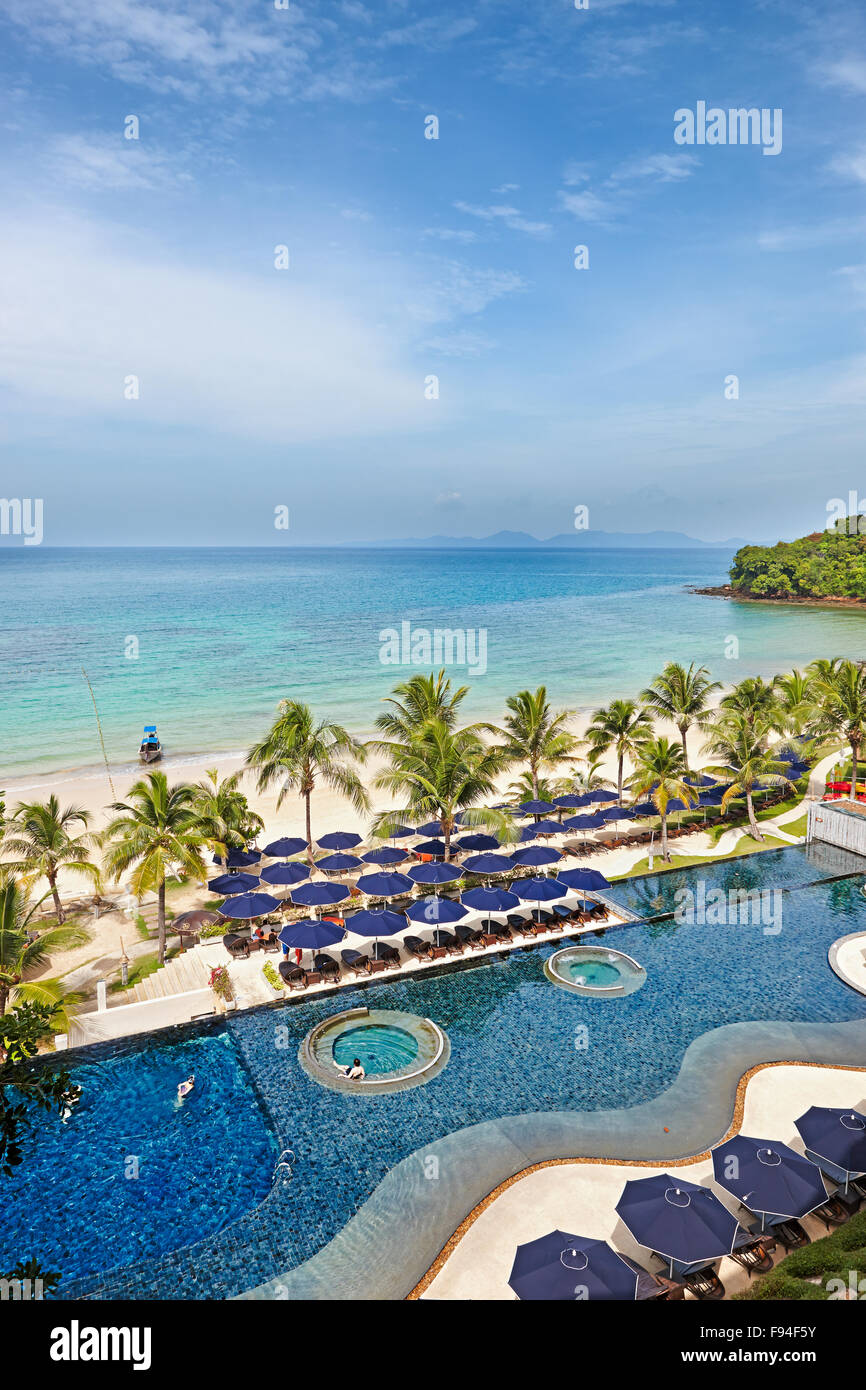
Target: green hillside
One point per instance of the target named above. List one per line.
(827, 564)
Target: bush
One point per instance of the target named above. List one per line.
(213, 929)
(271, 976)
(220, 982)
(833, 1257)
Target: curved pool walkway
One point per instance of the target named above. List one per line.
(392, 1241)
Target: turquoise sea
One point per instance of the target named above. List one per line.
(221, 635)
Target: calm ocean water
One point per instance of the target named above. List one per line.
(223, 634)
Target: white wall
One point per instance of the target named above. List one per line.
(139, 1018)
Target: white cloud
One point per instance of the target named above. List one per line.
(112, 163)
(463, 343)
(589, 206)
(511, 217)
(662, 168)
(848, 73)
(452, 288)
(451, 234)
(851, 165)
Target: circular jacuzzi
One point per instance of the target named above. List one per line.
(595, 971)
(397, 1050)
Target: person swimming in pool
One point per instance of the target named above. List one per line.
(353, 1073)
(185, 1087)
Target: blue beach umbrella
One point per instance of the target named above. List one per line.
(319, 894)
(571, 800)
(233, 883)
(534, 856)
(488, 864)
(430, 827)
(239, 858)
(527, 834)
(434, 874)
(285, 847)
(838, 1137)
(384, 885)
(286, 874)
(645, 808)
(548, 827)
(562, 1268)
(338, 863)
(385, 855)
(617, 813)
(339, 839)
(536, 808)
(599, 796)
(376, 922)
(583, 880)
(771, 1179)
(699, 779)
(593, 822)
(680, 1220)
(435, 911)
(490, 899)
(248, 905)
(539, 890)
(478, 842)
(436, 848)
(311, 934)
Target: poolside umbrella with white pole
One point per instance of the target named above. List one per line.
(836, 1138)
(560, 1267)
(534, 856)
(434, 911)
(478, 842)
(584, 822)
(599, 796)
(488, 864)
(384, 856)
(612, 813)
(570, 801)
(435, 848)
(239, 858)
(339, 839)
(285, 847)
(768, 1178)
(585, 880)
(685, 1223)
(229, 884)
(490, 899)
(548, 827)
(319, 894)
(246, 906)
(311, 934)
(384, 885)
(536, 808)
(432, 875)
(540, 890)
(376, 922)
(338, 863)
(286, 875)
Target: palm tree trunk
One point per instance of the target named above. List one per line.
(160, 923)
(684, 729)
(58, 906)
(446, 836)
(753, 823)
(855, 758)
(534, 771)
(619, 780)
(308, 822)
(666, 859)
(4, 999)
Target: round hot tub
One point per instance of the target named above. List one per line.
(396, 1050)
(595, 971)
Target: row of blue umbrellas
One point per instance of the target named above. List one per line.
(686, 1223)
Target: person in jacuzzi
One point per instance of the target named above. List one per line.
(185, 1087)
(353, 1073)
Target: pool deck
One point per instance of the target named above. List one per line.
(580, 1196)
(847, 957)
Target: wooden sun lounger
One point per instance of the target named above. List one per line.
(755, 1256)
(355, 962)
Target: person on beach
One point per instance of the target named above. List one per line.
(353, 1073)
(185, 1087)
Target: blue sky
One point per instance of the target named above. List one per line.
(411, 257)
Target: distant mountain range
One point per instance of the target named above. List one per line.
(586, 540)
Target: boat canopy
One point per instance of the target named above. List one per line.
(150, 728)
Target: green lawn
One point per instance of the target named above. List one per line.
(833, 1257)
(685, 861)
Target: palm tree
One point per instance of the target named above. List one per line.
(660, 768)
(298, 751)
(536, 735)
(414, 702)
(841, 693)
(21, 951)
(157, 833)
(587, 779)
(223, 812)
(757, 701)
(682, 696)
(622, 726)
(440, 772)
(39, 840)
(795, 693)
(741, 745)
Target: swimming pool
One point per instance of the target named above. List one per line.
(518, 1047)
